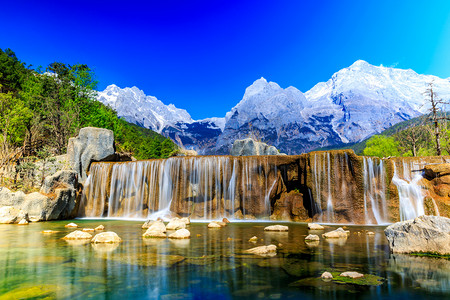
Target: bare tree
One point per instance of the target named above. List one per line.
(435, 114)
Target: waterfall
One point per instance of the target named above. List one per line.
(409, 191)
(204, 188)
(375, 206)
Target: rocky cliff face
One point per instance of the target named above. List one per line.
(334, 186)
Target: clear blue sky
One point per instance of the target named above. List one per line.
(201, 55)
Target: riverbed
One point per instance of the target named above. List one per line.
(211, 264)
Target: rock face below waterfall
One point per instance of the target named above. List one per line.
(91, 144)
(57, 200)
(428, 234)
(249, 147)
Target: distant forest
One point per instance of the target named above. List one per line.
(41, 108)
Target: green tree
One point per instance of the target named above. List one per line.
(381, 146)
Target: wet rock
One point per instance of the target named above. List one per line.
(351, 275)
(336, 234)
(156, 230)
(276, 228)
(326, 276)
(186, 220)
(106, 237)
(77, 235)
(253, 239)
(99, 227)
(49, 231)
(215, 224)
(71, 225)
(225, 220)
(312, 237)
(88, 229)
(91, 144)
(9, 214)
(180, 234)
(175, 224)
(263, 250)
(314, 226)
(23, 222)
(429, 234)
(147, 224)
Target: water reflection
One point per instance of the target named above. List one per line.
(212, 264)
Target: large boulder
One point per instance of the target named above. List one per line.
(428, 234)
(248, 147)
(92, 144)
(57, 200)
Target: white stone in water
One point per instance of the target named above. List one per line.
(147, 224)
(186, 220)
(214, 225)
(276, 228)
(312, 237)
(23, 222)
(88, 229)
(71, 225)
(351, 275)
(253, 239)
(156, 230)
(175, 224)
(336, 234)
(315, 226)
(77, 235)
(106, 237)
(100, 227)
(326, 276)
(180, 234)
(263, 250)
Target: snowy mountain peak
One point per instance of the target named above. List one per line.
(134, 106)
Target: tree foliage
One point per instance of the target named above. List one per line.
(45, 107)
(381, 146)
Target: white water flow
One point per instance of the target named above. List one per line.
(407, 177)
(321, 174)
(375, 205)
(202, 187)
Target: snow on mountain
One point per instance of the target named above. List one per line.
(147, 111)
(355, 103)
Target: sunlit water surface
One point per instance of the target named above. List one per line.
(210, 265)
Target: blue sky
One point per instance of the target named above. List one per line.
(201, 55)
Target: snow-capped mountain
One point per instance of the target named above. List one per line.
(146, 111)
(355, 103)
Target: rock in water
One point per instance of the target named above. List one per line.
(91, 144)
(429, 234)
(248, 147)
(147, 224)
(23, 222)
(214, 225)
(71, 225)
(88, 229)
(186, 220)
(180, 234)
(77, 235)
(270, 250)
(225, 220)
(106, 237)
(326, 276)
(352, 275)
(9, 214)
(336, 234)
(156, 230)
(253, 239)
(314, 226)
(276, 228)
(312, 237)
(176, 224)
(100, 227)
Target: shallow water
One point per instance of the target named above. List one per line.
(210, 265)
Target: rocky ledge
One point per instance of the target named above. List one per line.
(424, 234)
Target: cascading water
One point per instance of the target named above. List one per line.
(375, 206)
(201, 187)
